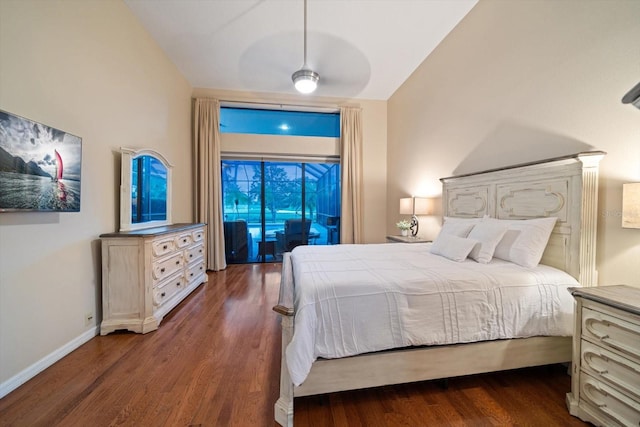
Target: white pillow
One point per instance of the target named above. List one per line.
(460, 220)
(525, 240)
(488, 234)
(452, 247)
(456, 227)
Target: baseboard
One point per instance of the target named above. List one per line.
(42, 364)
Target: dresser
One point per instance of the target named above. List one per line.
(605, 383)
(146, 273)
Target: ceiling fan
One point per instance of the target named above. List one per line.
(331, 64)
(305, 79)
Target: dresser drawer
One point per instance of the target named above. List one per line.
(198, 236)
(194, 253)
(195, 270)
(163, 246)
(183, 240)
(165, 290)
(611, 332)
(166, 267)
(610, 367)
(618, 408)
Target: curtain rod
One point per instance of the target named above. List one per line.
(281, 106)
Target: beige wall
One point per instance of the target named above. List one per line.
(89, 68)
(374, 118)
(522, 81)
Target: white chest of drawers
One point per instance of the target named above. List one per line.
(146, 273)
(605, 383)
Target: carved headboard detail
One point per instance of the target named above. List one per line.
(563, 187)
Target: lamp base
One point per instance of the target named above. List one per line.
(414, 226)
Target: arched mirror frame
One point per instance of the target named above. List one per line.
(126, 169)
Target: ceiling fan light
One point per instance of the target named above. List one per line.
(305, 80)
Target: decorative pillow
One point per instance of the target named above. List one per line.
(452, 247)
(488, 234)
(525, 240)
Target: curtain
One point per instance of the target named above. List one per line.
(207, 177)
(351, 217)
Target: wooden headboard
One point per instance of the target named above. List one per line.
(563, 187)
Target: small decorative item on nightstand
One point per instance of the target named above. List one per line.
(403, 226)
(605, 383)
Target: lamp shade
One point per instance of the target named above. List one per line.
(415, 206)
(421, 206)
(631, 205)
(406, 206)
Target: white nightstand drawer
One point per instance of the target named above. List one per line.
(619, 371)
(620, 409)
(611, 332)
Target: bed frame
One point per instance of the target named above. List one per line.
(564, 187)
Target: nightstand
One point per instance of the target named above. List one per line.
(605, 382)
(407, 239)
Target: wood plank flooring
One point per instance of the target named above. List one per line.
(215, 361)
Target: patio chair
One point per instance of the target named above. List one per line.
(293, 235)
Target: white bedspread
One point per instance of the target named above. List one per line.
(353, 299)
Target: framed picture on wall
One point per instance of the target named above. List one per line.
(40, 166)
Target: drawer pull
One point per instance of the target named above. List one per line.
(200, 251)
(178, 262)
(178, 284)
(184, 240)
(164, 247)
(162, 295)
(190, 255)
(191, 274)
(162, 270)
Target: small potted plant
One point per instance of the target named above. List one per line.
(404, 227)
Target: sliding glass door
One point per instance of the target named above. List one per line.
(271, 207)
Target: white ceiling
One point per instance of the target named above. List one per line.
(361, 48)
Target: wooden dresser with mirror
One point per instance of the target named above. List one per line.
(150, 265)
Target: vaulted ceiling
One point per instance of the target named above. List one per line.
(361, 48)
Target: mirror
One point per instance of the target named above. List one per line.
(145, 189)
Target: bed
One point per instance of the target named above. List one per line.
(564, 188)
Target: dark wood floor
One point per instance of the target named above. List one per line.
(215, 362)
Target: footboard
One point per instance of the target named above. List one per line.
(284, 404)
